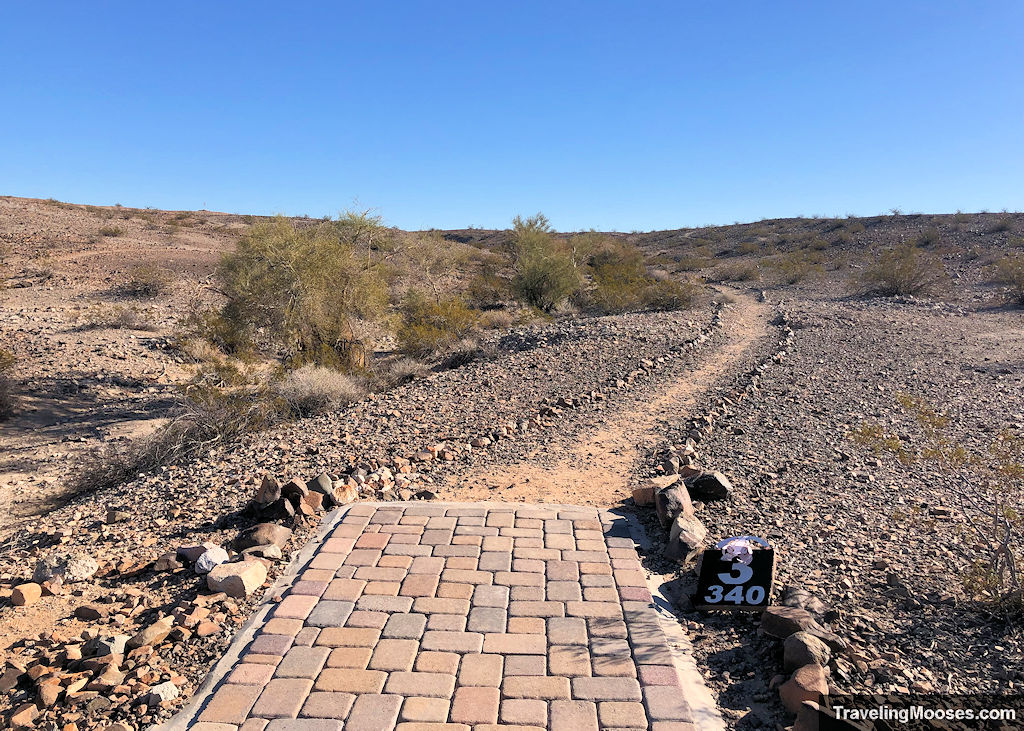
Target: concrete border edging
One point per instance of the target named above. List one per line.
(706, 715)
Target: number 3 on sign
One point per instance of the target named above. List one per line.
(717, 594)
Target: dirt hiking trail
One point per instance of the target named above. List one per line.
(596, 465)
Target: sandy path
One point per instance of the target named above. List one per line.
(598, 467)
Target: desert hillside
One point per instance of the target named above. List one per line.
(792, 366)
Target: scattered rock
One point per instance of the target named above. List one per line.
(783, 621)
(166, 691)
(192, 553)
(672, 501)
(24, 716)
(154, 634)
(238, 579)
(686, 539)
(803, 648)
(25, 594)
(709, 486)
(263, 534)
(167, 562)
(269, 491)
(808, 683)
(210, 558)
(69, 567)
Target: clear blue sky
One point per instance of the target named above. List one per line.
(624, 115)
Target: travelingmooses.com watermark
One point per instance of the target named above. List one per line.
(932, 711)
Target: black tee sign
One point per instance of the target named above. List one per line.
(727, 584)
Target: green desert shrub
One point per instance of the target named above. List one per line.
(545, 275)
(145, 281)
(1000, 225)
(297, 290)
(111, 231)
(797, 266)
(738, 271)
(431, 325)
(1010, 273)
(621, 283)
(904, 270)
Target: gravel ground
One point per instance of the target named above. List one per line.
(882, 543)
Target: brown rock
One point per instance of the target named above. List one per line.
(91, 612)
(49, 692)
(807, 684)
(154, 634)
(643, 496)
(24, 716)
(167, 562)
(803, 648)
(295, 489)
(238, 579)
(781, 622)
(672, 501)
(269, 492)
(263, 534)
(686, 539)
(344, 493)
(25, 594)
(314, 500)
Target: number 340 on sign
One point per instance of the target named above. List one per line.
(737, 574)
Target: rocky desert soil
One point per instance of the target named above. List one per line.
(579, 410)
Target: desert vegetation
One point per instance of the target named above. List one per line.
(901, 271)
(7, 399)
(988, 485)
(1010, 273)
(302, 313)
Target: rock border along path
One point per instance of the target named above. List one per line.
(422, 616)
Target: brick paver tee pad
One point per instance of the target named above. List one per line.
(470, 615)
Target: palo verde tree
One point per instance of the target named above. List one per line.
(299, 289)
(544, 272)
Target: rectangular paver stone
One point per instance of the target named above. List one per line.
(282, 698)
(373, 712)
(606, 689)
(542, 687)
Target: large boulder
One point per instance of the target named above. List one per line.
(808, 683)
(803, 648)
(67, 567)
(238, 579)
(263, 534)
(709, 486)
(686, 539)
